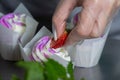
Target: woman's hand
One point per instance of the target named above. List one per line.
(92, 20)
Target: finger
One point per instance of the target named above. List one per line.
(61, 14)
(103, 19)
(84, 25)
(99, 26)
(83, 28)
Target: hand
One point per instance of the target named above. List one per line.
(92, 20)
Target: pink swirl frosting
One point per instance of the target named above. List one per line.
(42, 50)
(14, 21)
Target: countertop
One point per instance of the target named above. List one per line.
(107, 69)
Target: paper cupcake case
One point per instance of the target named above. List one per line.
(27, 50)
(9, 40)
(87, 53)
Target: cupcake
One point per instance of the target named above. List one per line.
(14, 21)
(46, 47)
(15, 28)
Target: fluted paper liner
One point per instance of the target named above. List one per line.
(27, 50)
(9, 39)
(88, 53)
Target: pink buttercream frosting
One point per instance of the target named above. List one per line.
(42, 50)
(14, 21)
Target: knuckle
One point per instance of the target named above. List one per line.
(95, 34)
(83, 33)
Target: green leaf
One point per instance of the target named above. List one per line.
(49, 70)
(82, 79)
(34, 75)
(70, 71)
(14, 77)
(0, 78)
(34, 70)
(54, 70)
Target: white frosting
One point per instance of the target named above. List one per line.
(15, 27)
(39, 55)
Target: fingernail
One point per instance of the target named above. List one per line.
(54, 32)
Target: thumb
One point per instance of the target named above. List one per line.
(61, 14)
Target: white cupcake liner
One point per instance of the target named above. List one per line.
(88, 53)
(9, 39)
(27, 50)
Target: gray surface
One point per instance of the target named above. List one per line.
(107, 69)
(8, 68)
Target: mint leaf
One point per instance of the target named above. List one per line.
(14, 77)
(49, 70)
(70, 71)
(82, 79)
(0, 78)
(34, 75)
(34, 70)
(54, 70)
